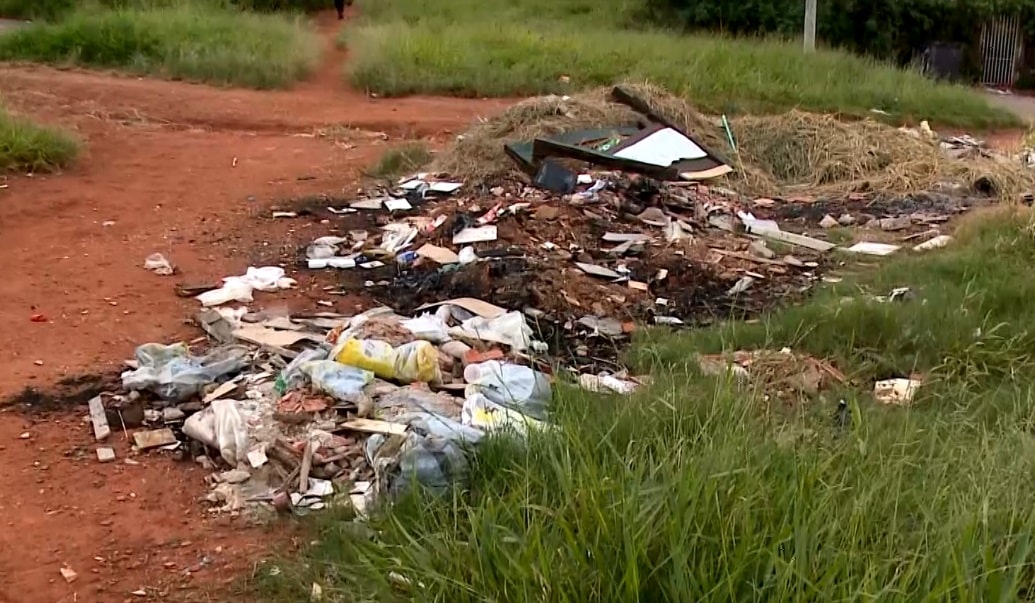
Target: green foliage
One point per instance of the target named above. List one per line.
(701, 490)
(192, 41)
(401, 161)
(887, 29)
(52, 10)
(503, 48)
(27, 147)
(35, 9)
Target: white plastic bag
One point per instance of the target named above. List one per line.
(220, 426)
(483, 413)
(428, 327)
(512, 385)
(157, 263)
(509, 329)
(239, 288)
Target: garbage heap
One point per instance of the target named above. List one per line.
(292, 413)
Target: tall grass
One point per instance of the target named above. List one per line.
(194, 40)
(506, 48)
(700, 490)
(28, 147)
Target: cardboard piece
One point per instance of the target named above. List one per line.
(472, 305)
(145, 440)
(481, 234)
(373, 426)
(261, 335)
(438, 254)
(599, 271)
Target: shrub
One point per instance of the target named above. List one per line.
(29, 147)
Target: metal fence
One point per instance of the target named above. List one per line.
(1001, 47)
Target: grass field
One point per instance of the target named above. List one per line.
(506, 48)
(28, 147)
(701, 490)
(195, 40)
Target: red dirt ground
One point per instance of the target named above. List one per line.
(183, 170)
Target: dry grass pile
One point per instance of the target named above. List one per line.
(794, 152)
(819, 153)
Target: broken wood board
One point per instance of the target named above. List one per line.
(480, 234)
(101, 430)
(870, 248)
(472, 305)
(438, 254)
(748, 258)
(145, 440)
(374, 426)
(791, 238)
(222, 390)
(261, 335)
(626, 237)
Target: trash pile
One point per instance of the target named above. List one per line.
(293, 413)
(494, 285)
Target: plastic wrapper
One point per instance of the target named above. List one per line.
(339, 381)
(408, 363)
(432, 456)
(172, 373)
(220, 426)
(515, 386)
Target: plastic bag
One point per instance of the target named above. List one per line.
(483, 413)
(239, 288)
(417, 361)
(428, 327)
(157, 263)
(292, 377)
(221, 427)
(340, 381)
(432, 455)
(372, 355)
(173, 374)
(414, 361)
(512, 385)
(509, 329)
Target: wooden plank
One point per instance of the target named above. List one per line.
(373, 426)
(791, 238)
(101, 430)
(748, 258)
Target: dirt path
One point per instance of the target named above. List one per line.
(184, 170)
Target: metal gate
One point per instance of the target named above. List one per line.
(1000, 49)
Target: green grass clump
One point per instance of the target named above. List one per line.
(699, 489)
(503, 48)
(194, 41)
(401, 161)
(28, 147)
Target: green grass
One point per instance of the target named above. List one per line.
(197, 41)
(28, 147)
(700, 490)
(528, 47)
(401, 161)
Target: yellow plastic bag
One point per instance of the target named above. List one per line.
(416, 361)
(372, 355)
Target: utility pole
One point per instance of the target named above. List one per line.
(810, 25)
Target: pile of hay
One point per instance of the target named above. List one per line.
(791, 153)
(824, 155)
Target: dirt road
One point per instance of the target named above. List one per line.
(184, 170)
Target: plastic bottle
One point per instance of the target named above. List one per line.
(514, 385)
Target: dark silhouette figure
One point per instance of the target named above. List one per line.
(340, 5)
